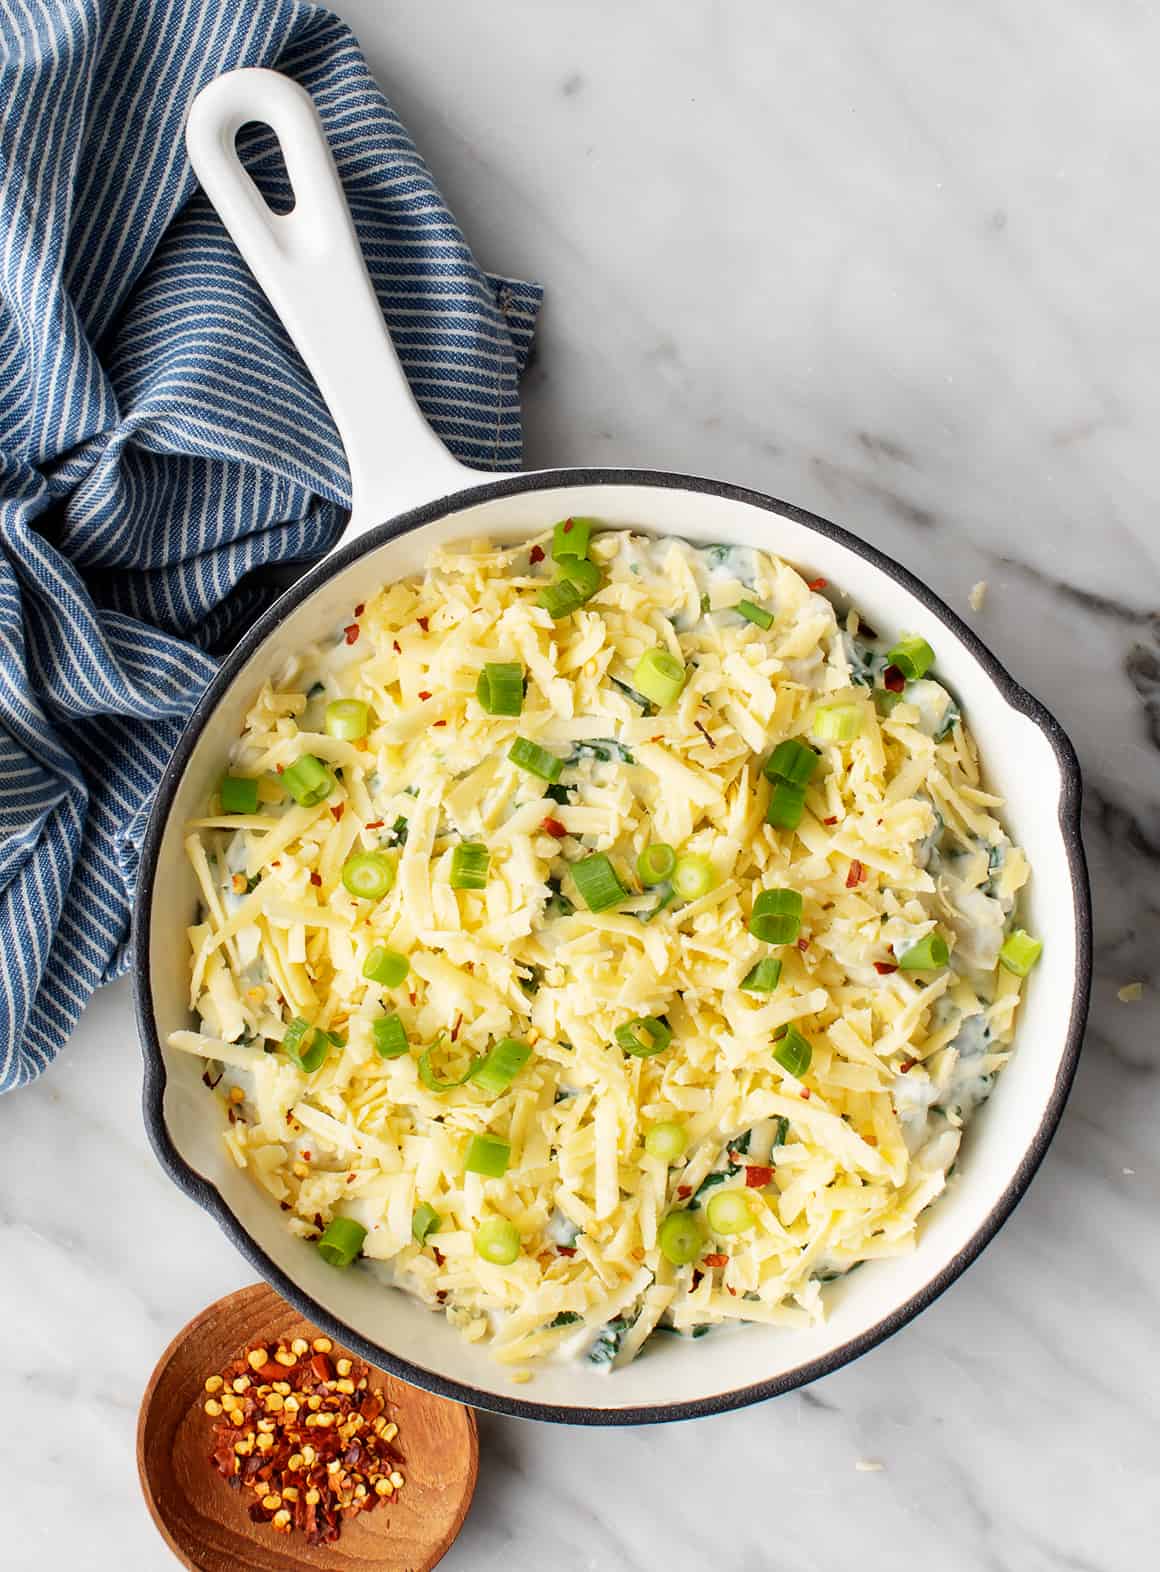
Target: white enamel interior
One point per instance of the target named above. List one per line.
(1020, 763)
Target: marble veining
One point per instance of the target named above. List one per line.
(895, 264)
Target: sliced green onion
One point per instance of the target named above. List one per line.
(656, 863)
(729, 1212)
(469, 864)
(386, 966)
(340, 1241)
(597, 882)
(680, 1237)
(584, 576)
(390, 1037)
(497, 1241)
(239, 794)
(837, 722)
(487, 1155)
(536, 760)
(913, 657)
(348, 718)
(500, 689)
(369, 875)
(755, 614)
(693, 877)
(644, 1036)
(434, 1083)
(308, 781)
(793, 1052)
(305, 1046)
(787, 804)
(764, 977)
(503, 1062)
(666, 1140)
(560, 599)
(927, 955)
(792, 760)
(570, 538)
(425, 1222)
(1020, 952)
(777, 916)
(659, 676)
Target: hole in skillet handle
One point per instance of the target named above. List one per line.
(260, 154)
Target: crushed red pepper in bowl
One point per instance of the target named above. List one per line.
(302, 1428)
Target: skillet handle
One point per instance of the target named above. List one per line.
(309, 265)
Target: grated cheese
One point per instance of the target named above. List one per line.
(898, 838)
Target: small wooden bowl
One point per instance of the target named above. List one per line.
(207, 1525)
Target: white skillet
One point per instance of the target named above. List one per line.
(409, 496)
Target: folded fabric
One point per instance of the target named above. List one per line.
(160, 441)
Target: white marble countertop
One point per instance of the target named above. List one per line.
(896, 263)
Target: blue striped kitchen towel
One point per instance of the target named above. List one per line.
(159, 439)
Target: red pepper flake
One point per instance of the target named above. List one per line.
(339, 811)
(684, 1190)
(805, 1094)
(884, 968)
(893, 680)
(907, 1064)
(306, 1157)
(316, 879)
(441, 723)
(715, 1260)
(833, 820)
(396, 646)
(818, 584)
(455, 1028)
(697, 1276)
(360, 608)
(279, 768)
(704, 734)
(423, 623)
(375, 824)
(803, 944)
(731, 1290)
(567, 526)
(352, 631)
(438, 1254)
(424, 697)
(554, 827)
(565, 1249)
(757, 1176)
(536, 554)
(856, 874)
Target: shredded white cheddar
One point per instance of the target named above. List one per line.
(483, 1130)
